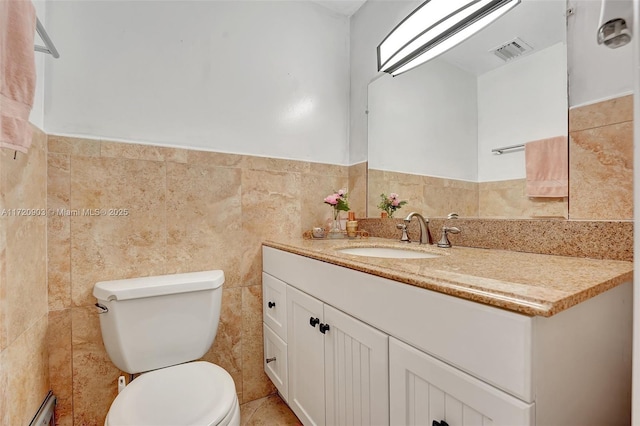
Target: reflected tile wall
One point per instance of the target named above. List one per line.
(187, 211)
(431, 196)
(601, 160)
(358, 189)
(508, 199)
(437, 197)
(24, 378)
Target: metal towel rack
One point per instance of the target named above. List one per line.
(506, 148)
(48, 44)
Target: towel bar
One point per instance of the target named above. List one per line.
(505, 148)
(48, 44)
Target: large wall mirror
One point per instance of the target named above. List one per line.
(431, 130)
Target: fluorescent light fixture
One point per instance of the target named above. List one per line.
(435, 27)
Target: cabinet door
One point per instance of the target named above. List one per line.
(356, 371)
(305, 348)
(274, 300)
(424, 389)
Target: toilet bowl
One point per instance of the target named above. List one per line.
(195, 393)
(159, 326)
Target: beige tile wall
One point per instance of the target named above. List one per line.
(24, 378)
(601, 160)
(188, 211)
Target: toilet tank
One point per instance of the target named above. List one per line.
(156, 322)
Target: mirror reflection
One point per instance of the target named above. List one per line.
(431, 130)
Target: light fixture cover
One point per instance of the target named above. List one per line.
(435, 27)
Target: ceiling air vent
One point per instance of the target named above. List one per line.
(512, 49)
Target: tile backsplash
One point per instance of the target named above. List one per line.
(595, 239)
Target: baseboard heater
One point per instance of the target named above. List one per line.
(44, 416)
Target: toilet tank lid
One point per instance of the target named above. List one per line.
(135, 288)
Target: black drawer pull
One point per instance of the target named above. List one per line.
(324, 328)
(271, 305)
(314, 321)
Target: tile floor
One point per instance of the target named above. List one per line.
(270, 410)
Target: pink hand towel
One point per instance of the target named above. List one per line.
(547, 164)
(17, 72)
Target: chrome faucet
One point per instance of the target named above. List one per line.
(425, 237)
(444, 241)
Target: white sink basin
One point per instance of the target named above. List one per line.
(388, 252)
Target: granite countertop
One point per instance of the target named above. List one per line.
(531, 284)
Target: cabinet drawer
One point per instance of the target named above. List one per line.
(274, 297)
(275, 347)
(424, 389)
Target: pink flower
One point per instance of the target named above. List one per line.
(332, 199)
(395, 202)
(342, 192)
(393, 196)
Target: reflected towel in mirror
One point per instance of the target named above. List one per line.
(547, 165)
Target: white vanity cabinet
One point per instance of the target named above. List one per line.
(424, 389)
(420, 356)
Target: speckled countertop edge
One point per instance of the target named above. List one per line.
(530, 284)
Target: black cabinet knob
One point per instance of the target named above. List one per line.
(271, 304)
(314, 321)
(440, 423)
(324, 328)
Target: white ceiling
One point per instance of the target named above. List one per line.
(343, 7)
(539, 23)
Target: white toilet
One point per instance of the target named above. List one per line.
(155, 326)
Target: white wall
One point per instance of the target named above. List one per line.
(37, 112)
(520, 102)
(425, 122)
(371, 23)
(596, 72)
(264, 78)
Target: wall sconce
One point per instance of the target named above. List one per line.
(435, 27)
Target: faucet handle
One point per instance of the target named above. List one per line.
(444, 241)
(452, 215)
(405, 236)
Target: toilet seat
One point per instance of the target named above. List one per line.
(195, 393)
